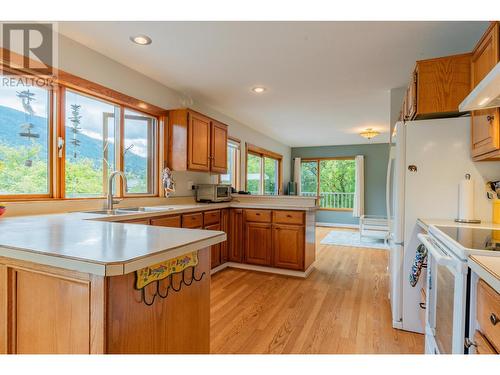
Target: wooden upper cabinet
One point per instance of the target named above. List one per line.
(437, 87)
(199, 135)
(218, 155)
(196, 142)
(485, 123)
(258, 243)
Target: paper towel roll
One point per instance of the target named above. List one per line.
(466, 199)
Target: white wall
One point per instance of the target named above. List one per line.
(79, 60)
(249, 135)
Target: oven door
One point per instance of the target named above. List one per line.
(446, 299)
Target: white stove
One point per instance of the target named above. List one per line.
(448, 283)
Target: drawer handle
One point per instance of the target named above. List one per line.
(493, 319)
(290, 216)
(490, 118)
(257, 214)
(422, 305)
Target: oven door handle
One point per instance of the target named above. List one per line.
(436, 253)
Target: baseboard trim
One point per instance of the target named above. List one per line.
(277, 271)
(337, 225)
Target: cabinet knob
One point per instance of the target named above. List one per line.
(493, 319)
(289, 216)
(490, 118)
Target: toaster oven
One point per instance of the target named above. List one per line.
(213, 193)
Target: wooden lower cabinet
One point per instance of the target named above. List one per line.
(215, 250)
(235, 249)
(488, 313)
(288, 246)
(258, 243)
(224, 226)
(167, 221)
(483, 346)
(48, 310)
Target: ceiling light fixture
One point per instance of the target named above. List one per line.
(142, 40)
(258, 89)
(369, 133)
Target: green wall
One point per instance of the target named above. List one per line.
(376, 157)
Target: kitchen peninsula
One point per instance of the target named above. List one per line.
(87, 282)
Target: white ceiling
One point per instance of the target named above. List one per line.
(326, 81)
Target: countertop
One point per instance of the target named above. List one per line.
(487, 268)
(101, 245)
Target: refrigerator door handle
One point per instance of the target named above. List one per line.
(388, 191)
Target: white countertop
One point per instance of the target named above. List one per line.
(487, 268)
(99, 244)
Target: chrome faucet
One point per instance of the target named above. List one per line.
(109, 199)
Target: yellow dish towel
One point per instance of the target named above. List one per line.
(162, 270)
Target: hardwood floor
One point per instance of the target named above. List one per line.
(341, 308)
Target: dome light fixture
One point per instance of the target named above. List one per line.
(258, 89)
(369, 133)
(142, 40)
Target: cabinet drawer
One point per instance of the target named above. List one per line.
(192, 220)
(288, 217)
(259, 216)
(488, 313)
(482, 344)
(211, 217)
(168, 221)
(137, 221)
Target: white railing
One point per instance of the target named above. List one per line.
(333, 199)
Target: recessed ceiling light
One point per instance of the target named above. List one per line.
(258, 89)
(142, 40)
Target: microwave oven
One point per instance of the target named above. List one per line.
(213, 193)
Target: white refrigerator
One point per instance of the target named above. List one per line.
(428, 158)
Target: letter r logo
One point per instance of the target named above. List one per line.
(34, 41)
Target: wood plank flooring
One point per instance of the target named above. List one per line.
(341, 308)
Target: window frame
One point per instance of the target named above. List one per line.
(56, 130)
(153, 154)
(263, 153)
(51, 172)
(318, 189)
(237, 163)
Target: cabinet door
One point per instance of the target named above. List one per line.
(215, 250)
(288, 246)
(235, 235)
(224, 226)
(258, 243)
(198, 142)
(485, 123)
(218, 159)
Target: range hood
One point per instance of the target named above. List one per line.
(486, 94)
